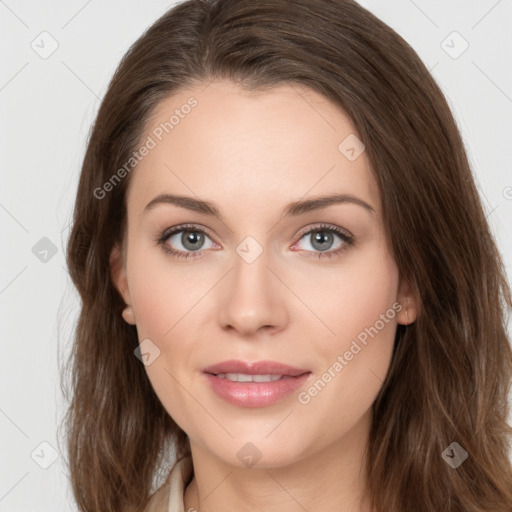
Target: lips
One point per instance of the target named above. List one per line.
(255, 368)
(256, 384)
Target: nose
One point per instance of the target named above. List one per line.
(252, 298)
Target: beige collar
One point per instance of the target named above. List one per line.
(180, 476)
(170, 496)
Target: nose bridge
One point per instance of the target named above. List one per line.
(251, 298)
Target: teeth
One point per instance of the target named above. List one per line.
(244, 377)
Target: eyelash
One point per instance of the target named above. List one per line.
(325, 228)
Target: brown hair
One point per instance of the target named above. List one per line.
(451, 370)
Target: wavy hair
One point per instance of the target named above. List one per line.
(450, 375)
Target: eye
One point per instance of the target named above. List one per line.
(186, 238)
(190, 239)
(322, 238)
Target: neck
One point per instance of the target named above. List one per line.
(330, 479)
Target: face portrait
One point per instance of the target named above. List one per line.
(291, 297)
(232, 267)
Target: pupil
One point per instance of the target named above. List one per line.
(191, 238)
(322, 237)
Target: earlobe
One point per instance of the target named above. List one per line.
(407, 298)
(128, 315)
(120, 282)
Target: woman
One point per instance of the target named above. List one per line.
(288, 284)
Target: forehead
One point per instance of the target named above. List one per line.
(254, 150)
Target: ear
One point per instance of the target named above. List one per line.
(407, 298)
(120, 281)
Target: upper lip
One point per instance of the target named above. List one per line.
(254, 368)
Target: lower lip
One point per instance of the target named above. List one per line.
(255, 394)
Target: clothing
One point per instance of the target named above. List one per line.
(170, 495)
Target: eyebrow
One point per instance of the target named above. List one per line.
(291, 209)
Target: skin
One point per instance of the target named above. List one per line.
(252, 154)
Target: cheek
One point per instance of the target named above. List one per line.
(358, 359)
(352, 297)
(161, 315)
(163, 298)
(159, 297)
(360, 307)
(153, 309)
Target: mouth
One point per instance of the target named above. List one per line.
(256, 384)
(253, 369)
(244, 377)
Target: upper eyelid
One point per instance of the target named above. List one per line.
(187, 227)
(325, 226)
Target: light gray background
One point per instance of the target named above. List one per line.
(48, 105)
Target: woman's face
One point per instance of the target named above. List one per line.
(260, 280)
